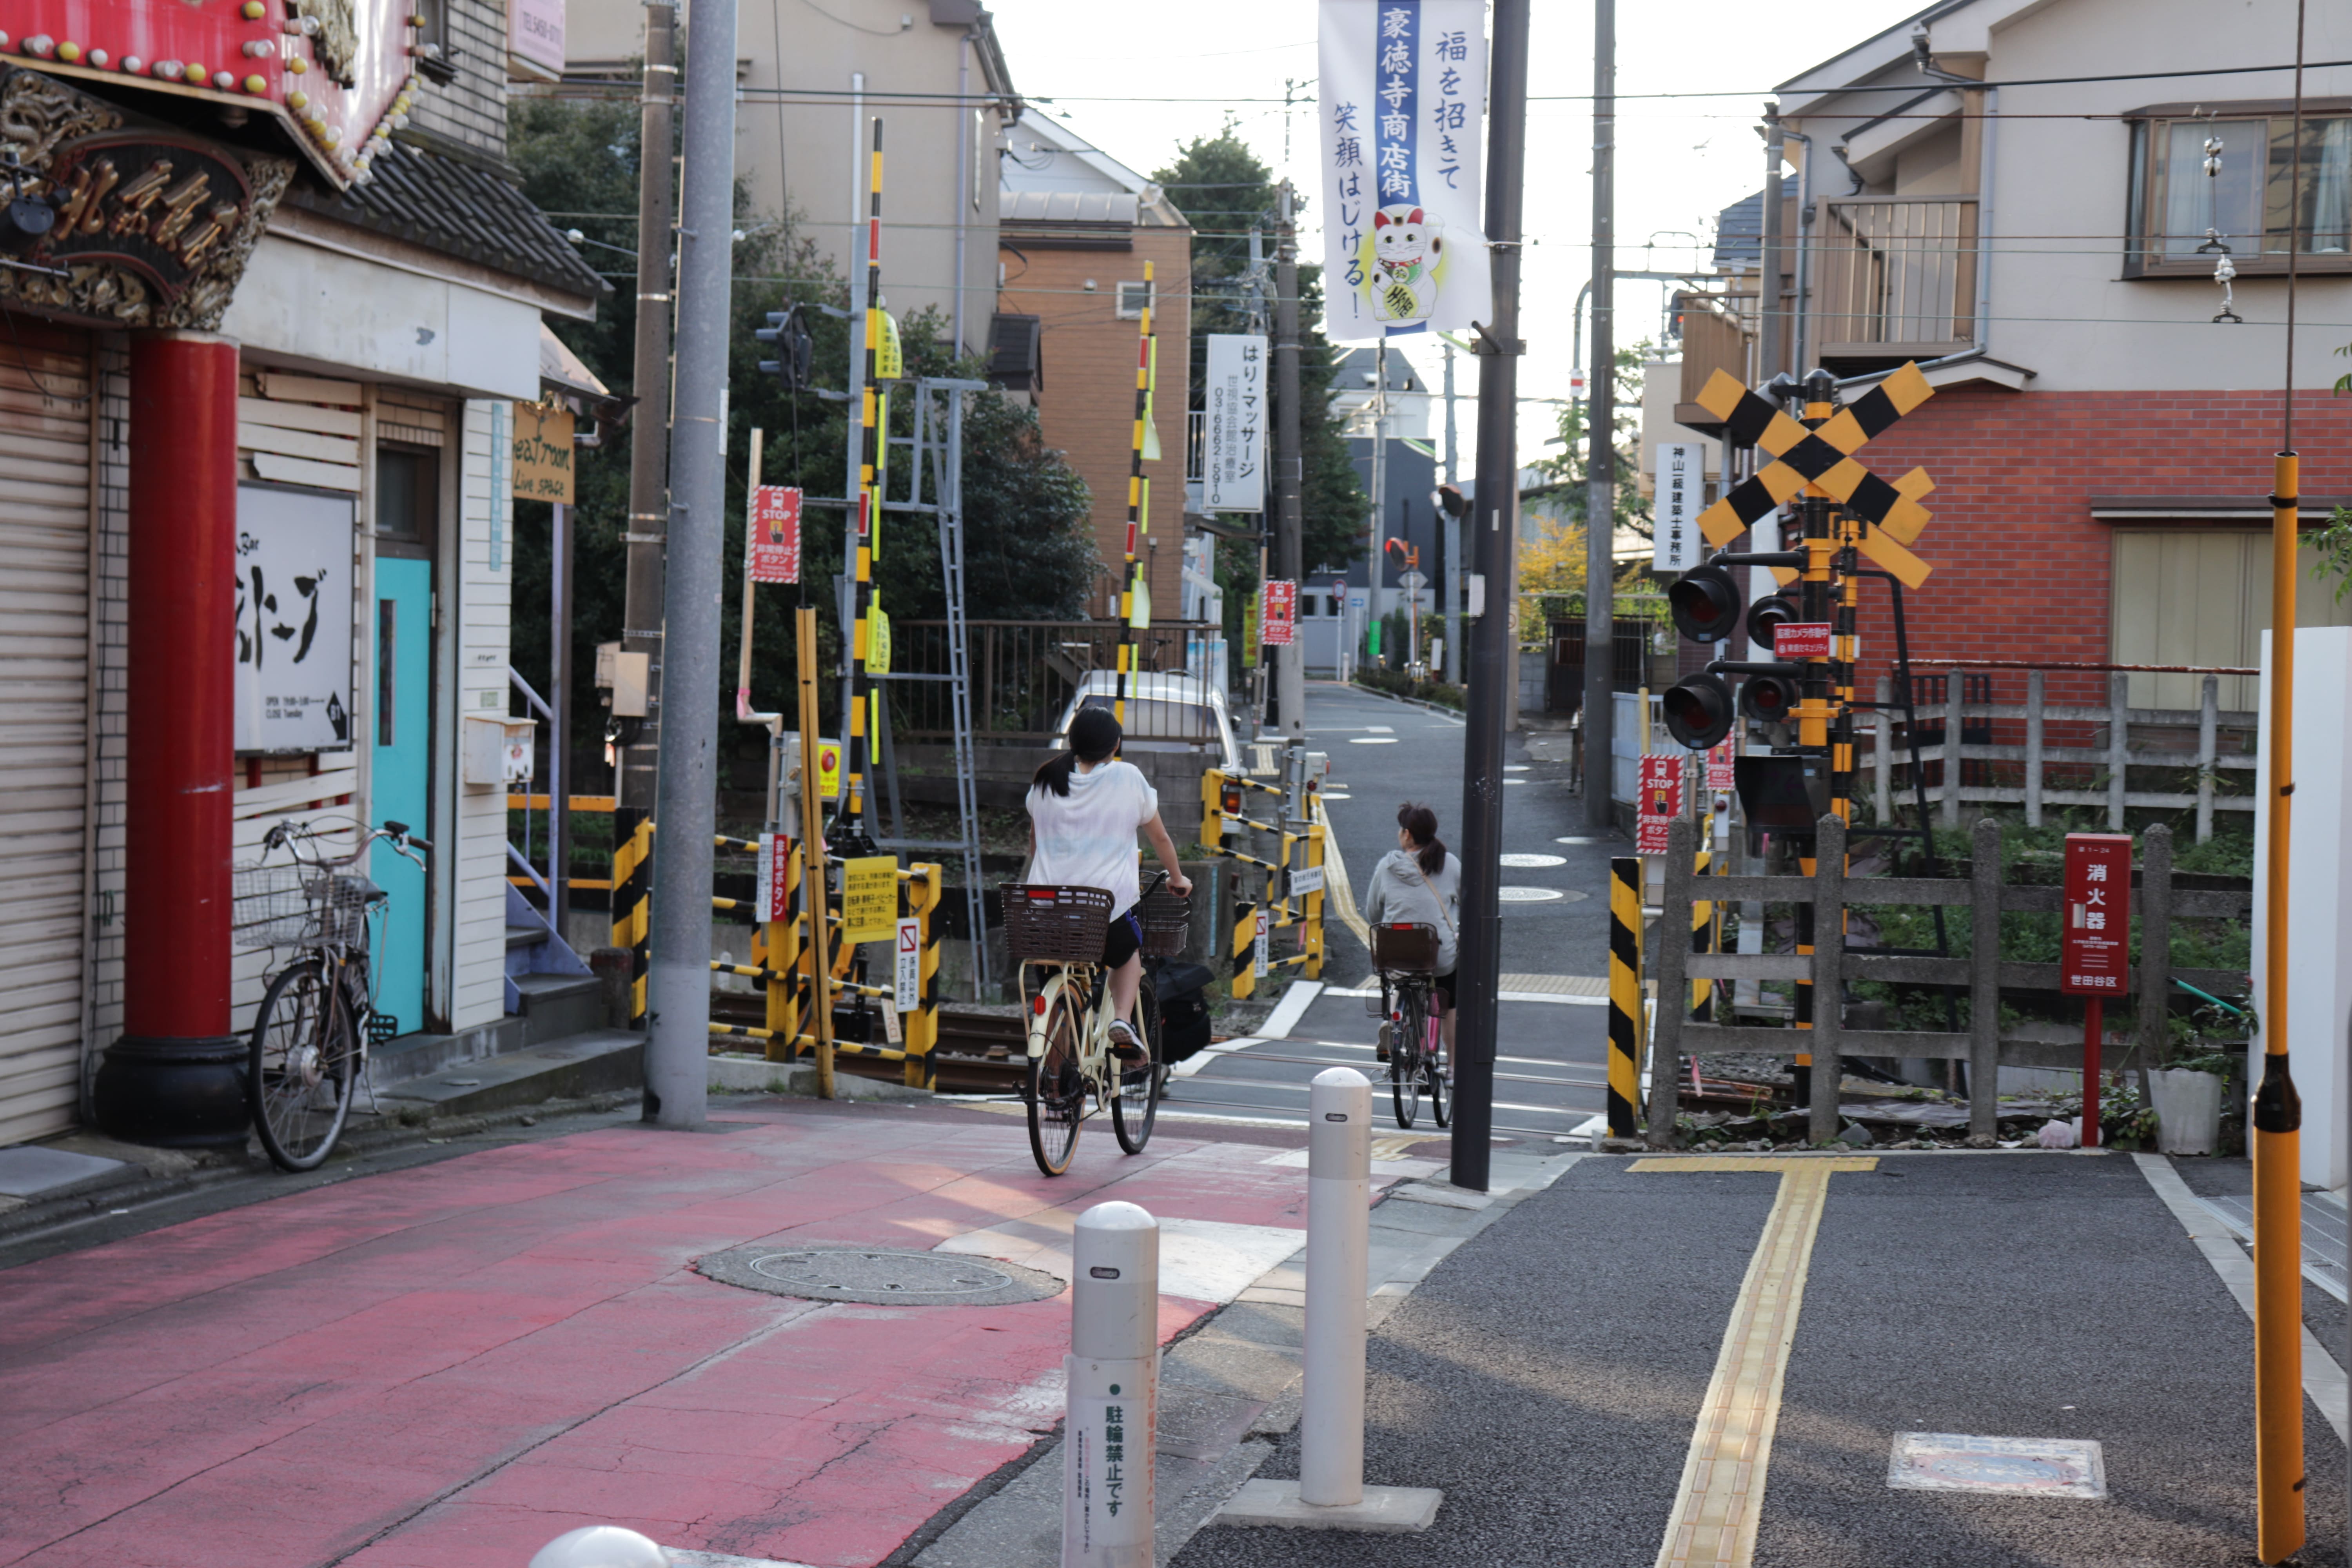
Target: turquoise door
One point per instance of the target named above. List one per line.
(402, 780)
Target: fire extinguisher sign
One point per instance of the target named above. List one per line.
(2094, 949)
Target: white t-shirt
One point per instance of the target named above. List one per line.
(1086, 839)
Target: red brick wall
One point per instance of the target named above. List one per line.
(2021, 568)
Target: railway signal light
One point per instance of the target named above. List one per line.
(1705, 603)
(1766, 616)
(1769, 699)
(1698, 711)
(788, 331)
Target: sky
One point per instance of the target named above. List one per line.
(1678, 164)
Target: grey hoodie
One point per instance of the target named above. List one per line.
(1398, 892)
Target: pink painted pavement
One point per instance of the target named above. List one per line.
(446, 1366)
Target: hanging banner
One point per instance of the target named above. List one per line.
(1281, 615)
(772, 543)
(1232, 468)
(1402, 90)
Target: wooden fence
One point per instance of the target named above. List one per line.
(2154, 903)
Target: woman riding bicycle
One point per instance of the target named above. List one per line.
(1084, 809)
(1419, 881)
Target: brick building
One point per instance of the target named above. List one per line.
(1076, 230)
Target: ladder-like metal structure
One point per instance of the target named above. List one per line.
(937, 445)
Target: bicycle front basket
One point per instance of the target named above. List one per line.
(1055, 925)
(1406, 947)
(267, 907)
(1166, 917)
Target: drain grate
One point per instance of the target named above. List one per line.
(878, 1276)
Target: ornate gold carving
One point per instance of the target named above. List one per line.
(38, 113)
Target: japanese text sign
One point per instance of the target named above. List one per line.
(1232, 468)
(869, 898)
(771, 540)
(1401, 87)
(1281, 612)
(1721, 758)
(906, 976)
(774, 889)
(2094, 941)
(1682, 486)
(1802, 639)
(1657, 801)
(294, 623)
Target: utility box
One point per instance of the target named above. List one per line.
(498, 750)
(627, 676)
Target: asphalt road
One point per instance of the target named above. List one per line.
(1552, 1052)
(1548, 1376)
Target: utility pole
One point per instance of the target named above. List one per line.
(640, 613)
(1600, 469)
(677, 999)
(1289, 467)
(1450, 584)
(1772, 327)
(1479, 950)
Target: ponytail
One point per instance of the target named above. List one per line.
(1054, 773)
(1093, 737)
(1421, 823)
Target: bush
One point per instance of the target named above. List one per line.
(1397, 683)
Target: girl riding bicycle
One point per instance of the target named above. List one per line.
(1084, 809)
(1419, 880)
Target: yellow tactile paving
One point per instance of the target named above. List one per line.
(1722, 1492)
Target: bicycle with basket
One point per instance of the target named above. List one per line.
(1056, 936)
(1404, 959)
(317, 1020)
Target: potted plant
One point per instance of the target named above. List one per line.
(2190, 1093)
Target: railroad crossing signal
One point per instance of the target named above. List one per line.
(1824, 457)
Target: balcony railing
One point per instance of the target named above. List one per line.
(1894, 277)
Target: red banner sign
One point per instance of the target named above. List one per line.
(2095, 948)
(773, 542)
(1802, 639)
(1281, 612)
(1657, 801)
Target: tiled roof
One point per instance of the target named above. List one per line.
(460, 207)
(1739, 236)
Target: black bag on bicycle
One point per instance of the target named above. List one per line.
(1184, 1023)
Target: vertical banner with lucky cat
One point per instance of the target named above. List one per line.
(1403, 87)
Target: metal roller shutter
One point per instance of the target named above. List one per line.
(45, 460)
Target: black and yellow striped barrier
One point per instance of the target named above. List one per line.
(633, 857)
(1245, 950)
(1625, 995)
(1702, 930)
(797, 1046)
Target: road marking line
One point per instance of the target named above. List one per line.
(1290, 1009)
(1722, 1493)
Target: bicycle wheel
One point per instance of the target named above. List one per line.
(1437, 1073)
(1136, 1104)
(1405, 1056)
(300, 1067)
(1058, 1090)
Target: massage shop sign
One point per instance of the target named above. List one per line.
(1402, 90)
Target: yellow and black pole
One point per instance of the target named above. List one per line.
(1135, 593)
(849, 825)
(1625, 1019)
(2277, 1120)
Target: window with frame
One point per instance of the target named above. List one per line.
(1132, 299)
(2203, 182)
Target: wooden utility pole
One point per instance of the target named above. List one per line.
(1601, 467)
(641, 614)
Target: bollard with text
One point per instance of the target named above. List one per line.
(1112, 1418)
(2095, 947)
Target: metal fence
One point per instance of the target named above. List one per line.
(1025, 674)
(1894, 274)
(2198, 747)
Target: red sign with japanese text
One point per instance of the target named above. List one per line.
(773, 542)
(1802, 639)
(1657, 801)
(1721, 775)
(2095, 947)
(1281, 612)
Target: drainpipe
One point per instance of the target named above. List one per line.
(962, 184)
(1799, 317)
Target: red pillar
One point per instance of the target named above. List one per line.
(176, 1074)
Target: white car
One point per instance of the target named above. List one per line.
(1164, 713)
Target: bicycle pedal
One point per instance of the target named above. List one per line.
(383, 1029)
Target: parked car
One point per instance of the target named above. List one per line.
(1164, 713)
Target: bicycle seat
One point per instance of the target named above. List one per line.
(1405, 947)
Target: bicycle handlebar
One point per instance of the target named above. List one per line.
(289, 834)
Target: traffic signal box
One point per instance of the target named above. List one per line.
(1848, 515)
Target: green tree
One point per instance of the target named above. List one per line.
(1028, 550)
(1220, 184)
(1569, 455)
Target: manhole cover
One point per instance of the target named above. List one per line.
(2027, 1467)
(1518, 859)
(879, 1275)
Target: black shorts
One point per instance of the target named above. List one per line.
(1442, 988)
(1122, 941)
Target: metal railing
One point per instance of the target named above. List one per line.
(1026, 673)
(1894, 276)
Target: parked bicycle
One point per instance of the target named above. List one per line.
(1405, 958)
(318, 1019)
(1056, 936)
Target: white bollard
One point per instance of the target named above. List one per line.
(1113, 1372)
(1338, 1248)
(599, 1546)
